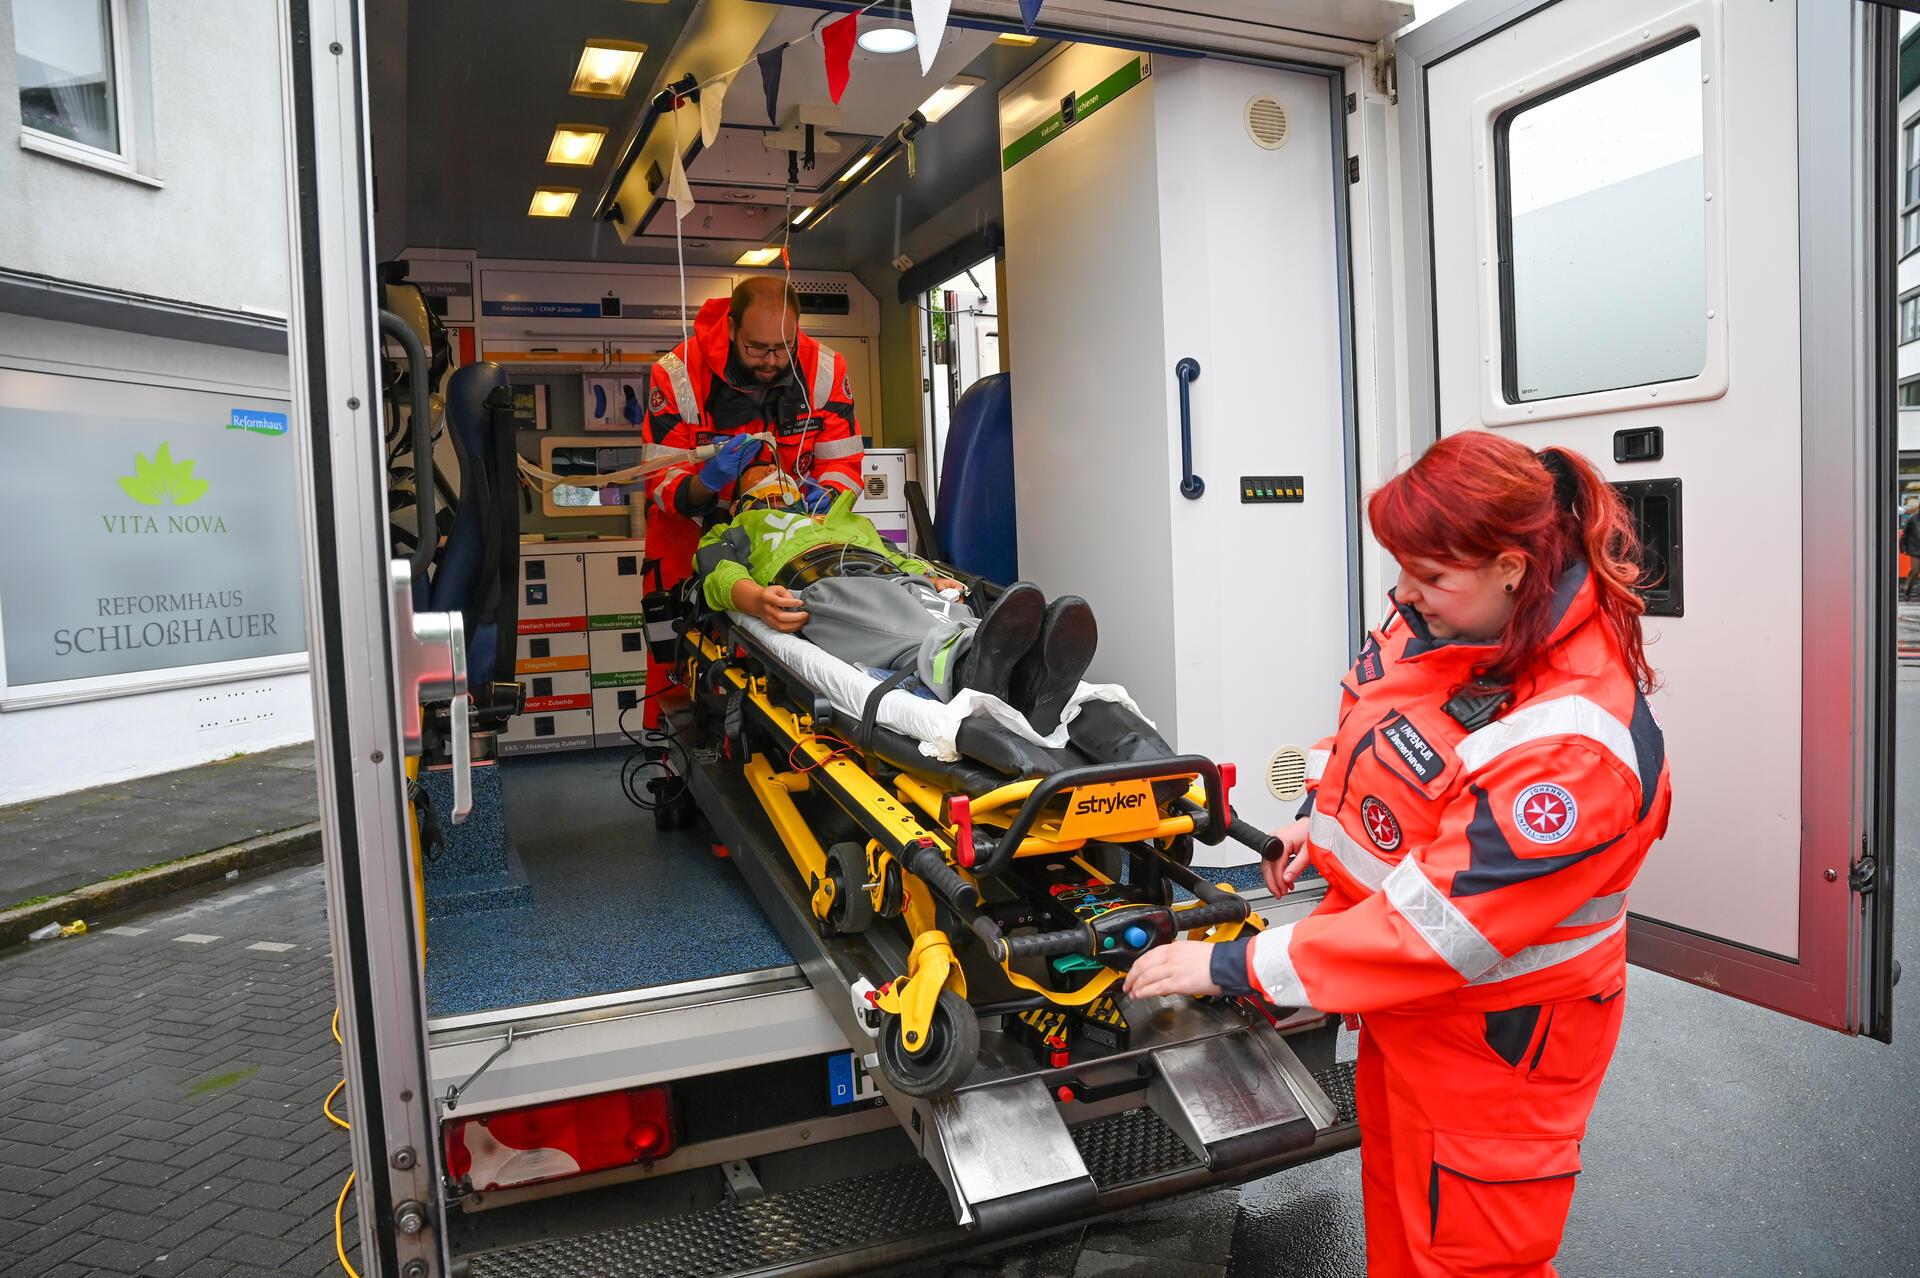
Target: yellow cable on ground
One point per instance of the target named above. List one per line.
(340, 1207)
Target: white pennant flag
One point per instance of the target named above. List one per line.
(712, 97)
(930, 26)
(677, 188)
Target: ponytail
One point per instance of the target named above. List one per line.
(1474, 495)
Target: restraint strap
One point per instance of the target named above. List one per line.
(870, 713)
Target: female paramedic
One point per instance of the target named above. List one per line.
(1495, 782)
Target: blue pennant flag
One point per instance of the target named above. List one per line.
(1030, 12)
(771, 62)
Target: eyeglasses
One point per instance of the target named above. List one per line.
(756, 353)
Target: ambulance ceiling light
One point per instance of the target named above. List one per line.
(803, 215)
(553, 201)
(887, 39)
(606, 68)
(1018, 39)
(758, 257)
(576, 145)
(853, 170)
(949, 96)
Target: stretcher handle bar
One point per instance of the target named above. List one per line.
(1186, 372)
(993, 855)
(924, 858)
(1082, 940)
(1242, 832)
(424, 527)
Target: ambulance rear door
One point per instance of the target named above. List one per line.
(1655, 231)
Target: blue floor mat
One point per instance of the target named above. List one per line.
(616, 904)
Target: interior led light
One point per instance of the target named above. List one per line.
(575, 144)
(758, 257)
(553, 201)
(606, 68)
(887, 39)
(949, 96)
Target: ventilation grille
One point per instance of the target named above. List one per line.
(1267, 122)
(819, 286)
(1287, 774)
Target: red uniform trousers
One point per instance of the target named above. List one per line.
(1468, 1163)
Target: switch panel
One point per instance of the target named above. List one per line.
(1266, 488)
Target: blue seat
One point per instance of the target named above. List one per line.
(477, 571)
(975, 520)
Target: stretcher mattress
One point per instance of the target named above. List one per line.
(934, 724)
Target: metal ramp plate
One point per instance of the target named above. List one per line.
(1227, 1099)
(1008, 1157)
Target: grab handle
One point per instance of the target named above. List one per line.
(427, 528)
(1191, 485)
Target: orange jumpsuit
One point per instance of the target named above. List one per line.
(687, 407)
(1477, 864)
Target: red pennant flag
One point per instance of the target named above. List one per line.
(837, 40)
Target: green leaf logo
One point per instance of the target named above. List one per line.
(162, 480)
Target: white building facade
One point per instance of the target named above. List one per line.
(151, 609)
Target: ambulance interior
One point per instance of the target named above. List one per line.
(944, 228)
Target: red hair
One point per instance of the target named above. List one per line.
(1475, 495)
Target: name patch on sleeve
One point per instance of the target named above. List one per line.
(1412, 748)
(1370, 665)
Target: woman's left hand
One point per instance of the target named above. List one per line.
(1182, 967)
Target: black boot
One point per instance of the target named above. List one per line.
(1046, 680)
(1006, 634)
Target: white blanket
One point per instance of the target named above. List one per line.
(934, 724)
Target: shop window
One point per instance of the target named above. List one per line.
(1603, 230)
(78, 88)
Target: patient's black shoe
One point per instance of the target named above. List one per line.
(1006, 634)
(1046, 680)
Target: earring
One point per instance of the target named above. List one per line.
(1509, 587)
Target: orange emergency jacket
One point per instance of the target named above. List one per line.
(822, 443)
(1473, 862)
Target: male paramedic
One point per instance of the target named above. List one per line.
(830, 576)
(1494, 784)
(747, 369)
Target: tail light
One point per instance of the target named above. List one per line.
(560, 1139)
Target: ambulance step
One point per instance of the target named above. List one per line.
(1228, 1099)
(1337, 1082)
(1007, 1158)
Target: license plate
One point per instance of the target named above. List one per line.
(848, 1080)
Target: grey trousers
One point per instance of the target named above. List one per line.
(891, 623)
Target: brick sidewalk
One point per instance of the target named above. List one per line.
(160, 1089)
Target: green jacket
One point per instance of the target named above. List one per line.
(759, 543)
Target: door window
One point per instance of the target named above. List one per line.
(1602, 224)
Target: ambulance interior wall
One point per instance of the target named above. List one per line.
(566, 415)
(1228, 621)
(55, 749)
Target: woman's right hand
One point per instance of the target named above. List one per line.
(775, 605)
(1281, 872)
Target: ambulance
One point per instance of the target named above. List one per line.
(1229, 264)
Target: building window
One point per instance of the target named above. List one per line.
(1910, 318)
(1910, 188)
(1910, 393)
(72, 58)
(1603, 230)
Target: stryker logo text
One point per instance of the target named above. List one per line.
(1104, 804)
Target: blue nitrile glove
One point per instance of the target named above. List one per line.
(814, 498)
(727, 465)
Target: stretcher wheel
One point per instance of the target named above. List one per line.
(953, 1044)
(852, 908)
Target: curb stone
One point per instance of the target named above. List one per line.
(117, 894)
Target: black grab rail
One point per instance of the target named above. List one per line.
(1187, 371)
(422, 411)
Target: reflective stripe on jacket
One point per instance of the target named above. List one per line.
(1474, 866)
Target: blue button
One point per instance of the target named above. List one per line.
(1137, 937)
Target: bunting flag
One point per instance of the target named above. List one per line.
(1030, 12)
(677, 186)
(712, 98)
(837, 41)
(771, 62)
(930, 27)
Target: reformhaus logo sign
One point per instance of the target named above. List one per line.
(257, 421)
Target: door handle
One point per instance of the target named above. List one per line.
(1186, 372)
(433, 668)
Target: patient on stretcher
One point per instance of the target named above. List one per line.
(834, 579)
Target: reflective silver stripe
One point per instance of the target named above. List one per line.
(1325, 830)
(1563, 716)
(1536, 958)
(1317, 763)
(1269, 955)
(1598, 910)
(835, 478)
(661, 499)
(834, 449)
(1439, 921)
(823, 376)
(683, 395)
